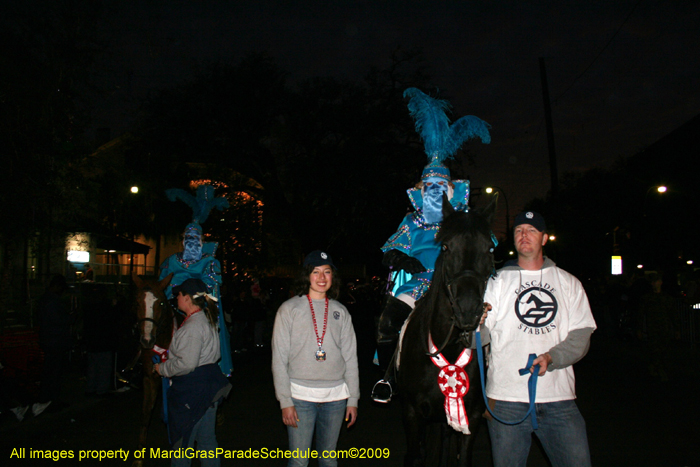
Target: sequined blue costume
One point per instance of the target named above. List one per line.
(412, 249)
(197, 261)
(416, 238)
(208, 269)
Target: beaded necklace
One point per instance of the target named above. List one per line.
(188, 317)
(320, 353)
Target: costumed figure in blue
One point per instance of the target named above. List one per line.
(197, 261)
(411, 252)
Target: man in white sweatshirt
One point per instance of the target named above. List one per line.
(536, 308)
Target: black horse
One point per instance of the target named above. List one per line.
(450, 310)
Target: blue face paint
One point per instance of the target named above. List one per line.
(193, 248)
(433, 189)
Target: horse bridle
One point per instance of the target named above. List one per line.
(464, 335)
(163, 303)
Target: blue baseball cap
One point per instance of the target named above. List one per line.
(191, 287)
(532, 218)
(318, 258)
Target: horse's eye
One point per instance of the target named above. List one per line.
(444, 247)
(490, 250)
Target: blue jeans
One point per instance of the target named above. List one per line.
(204, 432)
(562, 432)
(327, 418)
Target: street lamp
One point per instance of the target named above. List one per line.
(134, 190)
(660, 189)
(489, 190)
(648, 230)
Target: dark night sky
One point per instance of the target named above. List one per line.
(621, 73)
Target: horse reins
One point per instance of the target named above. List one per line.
(135, 360)
(455, 310)
(531, 385)
(532, 381)
(163, 303)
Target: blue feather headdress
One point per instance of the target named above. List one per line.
(441, 139)
(201, 205)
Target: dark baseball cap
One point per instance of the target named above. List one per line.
(318, 258)
(533, 218)
(191, 287)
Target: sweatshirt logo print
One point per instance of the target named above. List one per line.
(536, 307)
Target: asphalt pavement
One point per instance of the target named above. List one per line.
(633, 419)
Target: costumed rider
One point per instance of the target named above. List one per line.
(197, 260)
(411, 252)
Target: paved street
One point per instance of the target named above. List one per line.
(632, 420)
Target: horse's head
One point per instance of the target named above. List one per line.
(152, 308)
(466, 261)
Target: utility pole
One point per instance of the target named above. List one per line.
(550, 131)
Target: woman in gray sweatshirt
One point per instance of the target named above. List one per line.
(314, 363)
(196, 382)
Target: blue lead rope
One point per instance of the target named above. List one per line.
(531, 384)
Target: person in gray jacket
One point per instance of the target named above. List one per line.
(314, 362)
(197, 385)
(538, 308)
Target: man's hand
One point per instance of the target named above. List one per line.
(487, 308)
(543, 361)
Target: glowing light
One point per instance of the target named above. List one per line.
(690, 261)
(616, 265)
(78, 256)
(489, 190)
(661, 189)
(640, 266)
(511, 252)
(134, 189)
(552, 238)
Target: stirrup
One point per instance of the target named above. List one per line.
(382, 399)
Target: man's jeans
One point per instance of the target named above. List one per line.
(562, 432)
(327, 418)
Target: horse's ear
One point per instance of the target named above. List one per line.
(137, 280)
(490, 210)
(447, 208)
(163, 283)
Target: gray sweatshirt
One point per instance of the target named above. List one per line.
(294, 349)
(195, 343)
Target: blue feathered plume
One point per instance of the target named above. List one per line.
(441, 139)
(202, 204)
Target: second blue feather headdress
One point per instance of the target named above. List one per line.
(201, 205)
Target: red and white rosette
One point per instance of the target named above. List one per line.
(454, 384)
